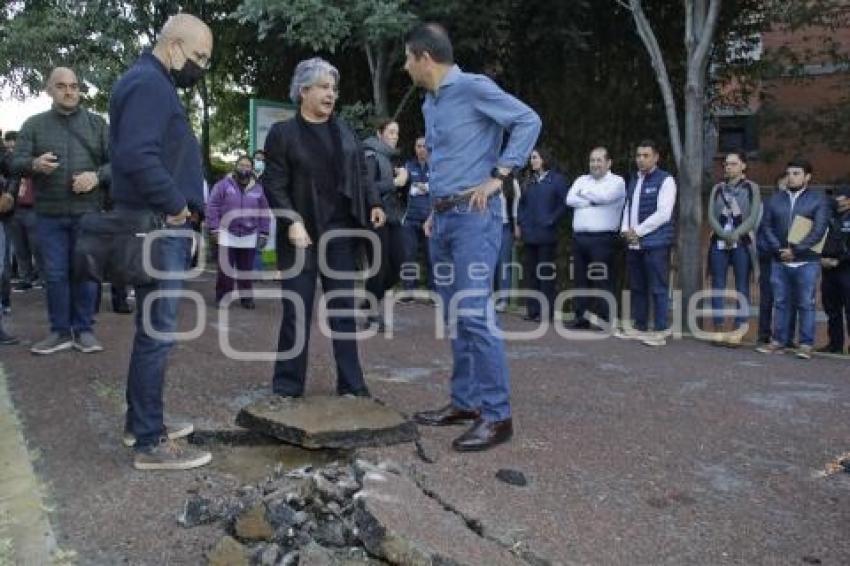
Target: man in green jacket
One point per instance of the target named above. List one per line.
(65, 152)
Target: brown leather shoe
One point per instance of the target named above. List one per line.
(484, 435)
(448, 415)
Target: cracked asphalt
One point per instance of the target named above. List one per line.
(684, 454)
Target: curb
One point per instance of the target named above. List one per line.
(26, 536)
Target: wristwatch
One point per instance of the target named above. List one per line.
(496, 174)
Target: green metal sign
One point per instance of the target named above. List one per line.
(262, 114)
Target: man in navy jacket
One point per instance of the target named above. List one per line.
(156, 164)
(796, 266)
(649, 230)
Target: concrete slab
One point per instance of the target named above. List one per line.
(398, 522)
(328, 422)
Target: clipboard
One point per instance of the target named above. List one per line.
(800, 228)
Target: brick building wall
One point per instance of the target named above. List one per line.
(774, 129)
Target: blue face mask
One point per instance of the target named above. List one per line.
(259, 166)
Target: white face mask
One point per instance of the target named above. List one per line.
(259, 166)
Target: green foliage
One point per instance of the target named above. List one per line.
(322, 26)
(328, 25)
(358, 116)
(579, 63)
(96, 38)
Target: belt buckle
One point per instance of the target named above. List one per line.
(445, 204)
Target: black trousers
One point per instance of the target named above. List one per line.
(540, 273)
(835, 294)
(290, 375)
(392, 257)
(117, 294)
(593, 257)
(25, 244)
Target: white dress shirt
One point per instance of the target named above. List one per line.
(598, 203)
(663, 211)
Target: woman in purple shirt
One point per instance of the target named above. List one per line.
(238, 218)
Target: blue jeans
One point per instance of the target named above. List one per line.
(4, 246)
(648, 275)
(794, 285)
(502, 279)
(414, 240)
(146, 376)
(719, 261)
(464, 247)
(70, 305)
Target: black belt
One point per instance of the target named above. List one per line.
(443, 204)
(606, 233)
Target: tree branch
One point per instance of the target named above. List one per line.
(369, 56)
(410, 90)
(701, 53)
(650, 42)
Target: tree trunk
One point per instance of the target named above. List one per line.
(691, 257)
(700, 28)
(378, 58)
(688, 149)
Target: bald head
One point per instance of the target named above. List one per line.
(185, 27)
(185, 47)
(63, 88)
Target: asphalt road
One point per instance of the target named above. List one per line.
(684, 454)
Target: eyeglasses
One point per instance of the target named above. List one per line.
(200, 59)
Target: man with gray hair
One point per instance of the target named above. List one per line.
(157, 169)
(65, 152)
(316, 171)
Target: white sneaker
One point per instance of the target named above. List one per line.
(630, 334)
(654, 341)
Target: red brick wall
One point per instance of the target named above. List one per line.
(777, 145)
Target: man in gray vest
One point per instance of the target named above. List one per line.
(648, 229)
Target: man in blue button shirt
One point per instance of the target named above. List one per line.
(466, 118)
